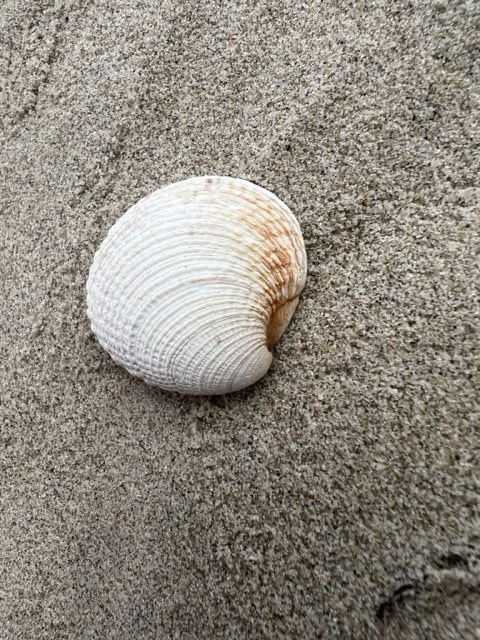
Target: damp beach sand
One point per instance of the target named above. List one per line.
(339, 497)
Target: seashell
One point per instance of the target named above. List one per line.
(194, 284)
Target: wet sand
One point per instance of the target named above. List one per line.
(338, 498)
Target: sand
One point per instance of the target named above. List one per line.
(339, 497)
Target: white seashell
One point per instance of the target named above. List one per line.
(195, 283)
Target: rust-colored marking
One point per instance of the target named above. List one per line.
(279, 321)
(279, 270)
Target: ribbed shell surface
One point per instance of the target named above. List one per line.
(194, 284)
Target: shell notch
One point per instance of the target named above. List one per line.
(195, 284)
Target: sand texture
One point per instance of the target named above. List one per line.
(338, 498)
